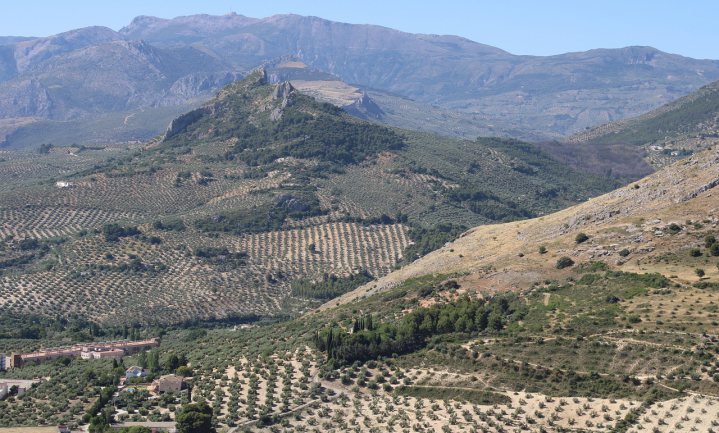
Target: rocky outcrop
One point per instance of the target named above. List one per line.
(283, 93)
(365, 108)
(180, 123)
(26, 98)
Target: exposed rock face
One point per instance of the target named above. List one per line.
(95, 70)
(283, 92)
(365, 108)
(180, 123)
(27, 98)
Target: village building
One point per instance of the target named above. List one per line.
(47, 355)
(17, 386)
(135, 371)
(102, 353)
(100, 350)
(168, 383)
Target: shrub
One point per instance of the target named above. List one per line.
(709, 240)
(674, 228)
(542, 249)
(695, 252)
(564, 262)
(625, 252)
(700, 272)
(581, 238)
(29, 244)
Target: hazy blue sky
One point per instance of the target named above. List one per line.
(541, 27)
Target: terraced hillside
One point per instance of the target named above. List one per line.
(601, 317)
(244, 196)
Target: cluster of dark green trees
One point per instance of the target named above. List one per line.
(426, 240)
(195, 418)
(487, 204)
(172, 224)
(266, 217)
(135, 266)
(711, 244)
(221, 256)
(151, 361)
(45, 148)
(190, 418)
(113, 232)
(399, 218)
(29, 251)
(330, 286)
(35, 327)
(369, 340)
(97, 415)
(327, 134)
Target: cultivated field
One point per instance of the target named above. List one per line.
(110, 281)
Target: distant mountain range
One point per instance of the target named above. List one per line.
(157, 64)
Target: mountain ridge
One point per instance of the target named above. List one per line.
(513, 92)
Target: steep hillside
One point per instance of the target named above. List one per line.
(89, 72)
(244, 197)
(666, 134)
(648, 226)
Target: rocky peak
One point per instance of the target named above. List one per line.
(365, 108)
(283, 91)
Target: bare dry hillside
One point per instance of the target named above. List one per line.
(636, 219)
